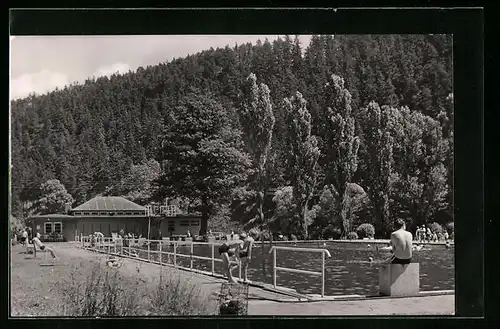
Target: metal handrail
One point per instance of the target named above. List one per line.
(102, 243)
(293, 270)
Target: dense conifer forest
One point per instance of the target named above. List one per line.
(350, 129)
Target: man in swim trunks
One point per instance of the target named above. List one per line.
(41, 246)
(245, 252)
(227, 252)
(401, 242)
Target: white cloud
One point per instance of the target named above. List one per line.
(40, 82)
(109, 70)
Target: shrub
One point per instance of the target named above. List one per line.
(436, 228)
(332, 232)
(174, 296)
(450, 227)
(352, 236)
(365, 231)
(232, 307)
(293, 237)
(264, 236)
(106, 292)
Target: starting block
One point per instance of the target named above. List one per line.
(399, 280)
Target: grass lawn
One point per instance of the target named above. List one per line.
(34, 288)
(41, 290)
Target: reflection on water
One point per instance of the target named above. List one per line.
(348, 271)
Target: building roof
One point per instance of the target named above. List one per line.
(58, 216)
(109, 203)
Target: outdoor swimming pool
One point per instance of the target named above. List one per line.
(348, 271)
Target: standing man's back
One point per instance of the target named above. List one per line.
(401, 242)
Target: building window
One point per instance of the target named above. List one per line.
(48, 228)
(171, 226)
(76, 213)
(103, 213)
(86, 213)
(58, 228)
(95, 213)
(128, 213)
(195, 223)
(184, 223)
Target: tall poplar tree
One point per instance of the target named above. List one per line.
(303, 155)
(341, 143)
(257, 121)
(378, 162)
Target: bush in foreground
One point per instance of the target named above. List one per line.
(105, 292)
(365, 230)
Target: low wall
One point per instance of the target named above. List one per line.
(378, 241)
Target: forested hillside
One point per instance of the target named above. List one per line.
(352, 129)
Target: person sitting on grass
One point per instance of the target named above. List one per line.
(401, 242)
(227, 251)
(41, 246)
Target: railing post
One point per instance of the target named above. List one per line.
(160, 253)
(323, 274)
(274, 268)
(115, 245)
(175, 253)
(213, 258)
(239, 269)
(192, 247)
(149, 250)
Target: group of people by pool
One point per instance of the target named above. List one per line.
(425, 234)
(237, 252)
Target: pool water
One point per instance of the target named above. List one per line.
(348, 271)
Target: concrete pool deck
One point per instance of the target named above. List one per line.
(264, 299)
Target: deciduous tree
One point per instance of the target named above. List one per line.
(341, 144)
(303, 155)
(54, 198)
(202, 153)
(257, 120)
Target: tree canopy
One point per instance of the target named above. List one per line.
(378, 109)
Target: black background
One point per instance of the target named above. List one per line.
(467, 28)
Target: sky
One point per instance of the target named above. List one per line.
(41, 63)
